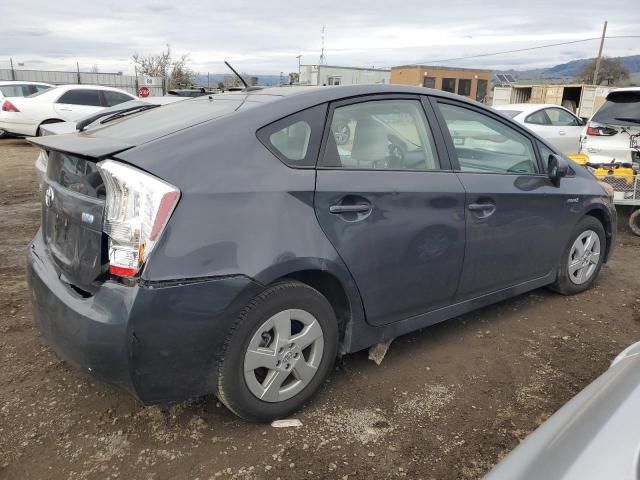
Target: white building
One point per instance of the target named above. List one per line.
(331, 75)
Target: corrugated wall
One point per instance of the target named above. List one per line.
(124, 82)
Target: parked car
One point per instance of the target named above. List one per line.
(25, 116)
(19, 89)
(612, 135)
(227, 245)
(594, 436)
(554, 123)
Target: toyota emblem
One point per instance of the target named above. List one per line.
(48, 196)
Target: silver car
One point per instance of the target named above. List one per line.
(595, 436)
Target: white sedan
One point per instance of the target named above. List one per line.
(552, 122)
(25, 116)
(11, 88)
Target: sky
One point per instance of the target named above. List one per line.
(264, 37)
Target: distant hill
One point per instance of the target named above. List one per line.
(569, 70)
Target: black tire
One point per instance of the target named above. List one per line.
(564, 284)
(233, 390)
(634, 222)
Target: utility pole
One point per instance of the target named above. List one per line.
(595, 73)
(323, 59)
(299, 57)
(13, 72)
(78, 69)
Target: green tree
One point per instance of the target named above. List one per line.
(612, 71)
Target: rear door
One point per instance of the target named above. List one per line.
(75, 104)
(516, 219)
(387, 200)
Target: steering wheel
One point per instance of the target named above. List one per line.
(396, 155)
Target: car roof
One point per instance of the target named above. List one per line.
(88, 87)
(21, 82)
(527, 107)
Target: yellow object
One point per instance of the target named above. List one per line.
(612, 174)
(579, 158)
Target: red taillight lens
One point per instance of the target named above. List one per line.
(7, 106)
(137, 209)
(600, 130)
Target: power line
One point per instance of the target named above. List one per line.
(523, 49)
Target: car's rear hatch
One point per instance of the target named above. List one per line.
(73, 199)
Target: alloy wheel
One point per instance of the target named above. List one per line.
(283, 355)
(584, 257)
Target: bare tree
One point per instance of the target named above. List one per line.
(177, 72)
(612, 70)
(95, 69)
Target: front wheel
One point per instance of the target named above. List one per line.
(278, 353)
(582, 259)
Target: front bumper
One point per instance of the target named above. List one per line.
(159, 342)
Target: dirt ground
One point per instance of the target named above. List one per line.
(447, 402)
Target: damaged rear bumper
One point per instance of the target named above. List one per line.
(159, 342)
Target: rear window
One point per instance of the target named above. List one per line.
(157, 122)
(14, 90)
(510, 113)
(621, 108)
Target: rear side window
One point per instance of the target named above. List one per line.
(621, 108)
(81, 97)
(114, 98)
(295, 139)
(485, 145)
(380, 135)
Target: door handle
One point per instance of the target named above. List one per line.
(65, 109)
(562, 132)
(358, 208)
(484, 209)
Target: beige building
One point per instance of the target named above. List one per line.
(463, 81)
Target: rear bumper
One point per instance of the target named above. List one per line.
(17, 128)
(160, 342)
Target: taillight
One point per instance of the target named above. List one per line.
(137, 209)
(7, 106)
(595, 130)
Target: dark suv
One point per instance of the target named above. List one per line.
(230, 245)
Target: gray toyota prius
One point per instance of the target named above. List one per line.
(236, 244)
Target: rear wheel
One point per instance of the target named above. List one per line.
(278, 353)
(582, 258)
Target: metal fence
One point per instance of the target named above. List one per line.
(626, 188)
(128, 83)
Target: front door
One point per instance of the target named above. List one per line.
(387, 200)
(516, 219)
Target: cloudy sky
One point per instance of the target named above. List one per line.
(263, 37)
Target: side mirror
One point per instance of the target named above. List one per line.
(581, 122)
(556, 169)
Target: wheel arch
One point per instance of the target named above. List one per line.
(332, 281)
(603, 216)
(47, 121)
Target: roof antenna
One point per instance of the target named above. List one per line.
(323, 59)
(237, 74)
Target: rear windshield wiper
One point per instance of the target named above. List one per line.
(628, 119)
(127, 111)
(81, 125)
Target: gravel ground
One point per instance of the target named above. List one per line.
(447, 402)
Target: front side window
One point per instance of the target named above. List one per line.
(81, 97)
(561, 118)
(381, 135)
(449, 85)
(485, 145)
(295, 139)
(464, 87)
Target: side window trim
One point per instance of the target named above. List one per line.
(451, 147)
(432, 125)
